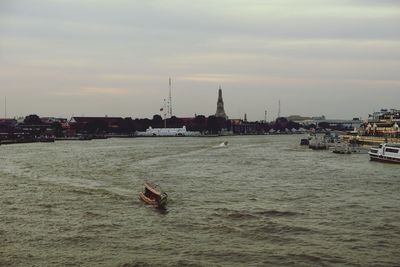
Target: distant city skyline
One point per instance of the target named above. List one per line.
(338, 58)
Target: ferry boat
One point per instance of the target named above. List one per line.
(386, 152)
(167, 132)
(153, 195)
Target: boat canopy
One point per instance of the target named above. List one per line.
(152, 188)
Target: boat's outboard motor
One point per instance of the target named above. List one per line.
(162, 201)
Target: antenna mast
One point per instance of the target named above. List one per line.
(165, 113)
(170, 99)
(5, 107)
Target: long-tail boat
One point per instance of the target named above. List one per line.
(153, 195)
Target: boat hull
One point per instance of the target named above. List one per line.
(341, 152)
(161, 204)
(148, 200)
(384, 159)
(322, 147)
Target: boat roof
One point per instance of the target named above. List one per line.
(392, 145)
(152, 188)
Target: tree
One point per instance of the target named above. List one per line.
(174, 122)
(157, 121)
(281, 123)
(200, 123)
(127, 126)
(213, 125)
(157, 118)
(142, 124)
(97, 126)
(32, 119)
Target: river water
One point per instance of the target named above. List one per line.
(261, 201)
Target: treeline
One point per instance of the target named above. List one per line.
(205, 125)
(211, 124)
(33, 125)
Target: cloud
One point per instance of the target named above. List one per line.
(92, 91)
(118, 77)
(216, 78)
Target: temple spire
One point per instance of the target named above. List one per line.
(220, 105)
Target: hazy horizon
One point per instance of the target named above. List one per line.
(338, 58)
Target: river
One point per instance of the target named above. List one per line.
(260, 201)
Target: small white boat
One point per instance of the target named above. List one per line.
(386, 152)
(223, 144)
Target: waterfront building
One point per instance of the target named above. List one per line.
(96, 124)
(381, 126)
(239, 126)
(323, 122)
(53, 120)
(109, 121)
(220, 106)
(7, 122)
(7, 126)
(385, 115)
(383, 123)
(298, 118)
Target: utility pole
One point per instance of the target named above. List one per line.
(265, 116)
(5, 107)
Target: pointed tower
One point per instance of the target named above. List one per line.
(220, 105)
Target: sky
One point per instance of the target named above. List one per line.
(338, 58)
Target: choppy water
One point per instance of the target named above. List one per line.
(262, 201)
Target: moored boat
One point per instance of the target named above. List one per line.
(304, 142)
(153, 195)
(386, 152)
(317, 143)
(342, 147)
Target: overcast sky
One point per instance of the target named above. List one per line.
(339, 58)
